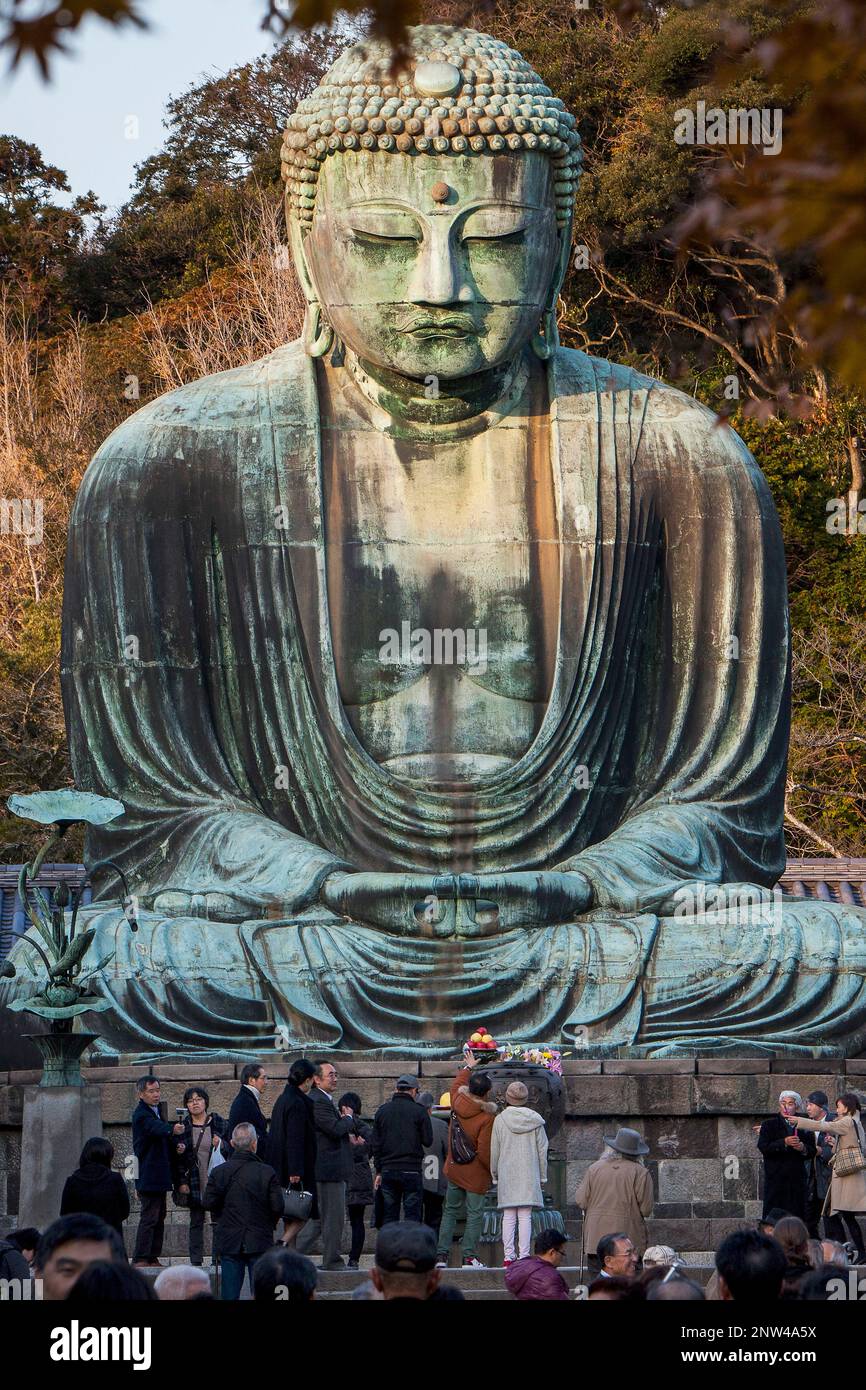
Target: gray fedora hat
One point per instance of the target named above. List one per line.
(628, 1142)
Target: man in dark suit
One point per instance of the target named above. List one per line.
(247, 1105)
(151, 1144)
(333, 1168)
(787, 1151)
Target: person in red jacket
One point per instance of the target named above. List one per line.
(468, 1182)
(538, 1276)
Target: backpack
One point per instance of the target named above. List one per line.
(462, 1148)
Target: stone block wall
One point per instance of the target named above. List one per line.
(697, 1116)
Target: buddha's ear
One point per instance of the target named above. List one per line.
(298, 233)
(545, 340)
(560, 268)
(317, 335)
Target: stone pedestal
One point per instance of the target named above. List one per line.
(57, 1122)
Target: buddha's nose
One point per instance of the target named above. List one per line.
(439, 276)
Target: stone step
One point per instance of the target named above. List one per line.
(473, 1283)
(176, 1244)
(687, 1238)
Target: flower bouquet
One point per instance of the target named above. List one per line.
(534, 1054)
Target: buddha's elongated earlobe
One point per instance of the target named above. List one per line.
(318, 333)
(545, 339)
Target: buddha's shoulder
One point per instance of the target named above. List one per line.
(587, 380)
(681, 426)
(220, 401)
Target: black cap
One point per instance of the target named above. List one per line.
(406, 1247)
(406, 1083)
(818, 1098)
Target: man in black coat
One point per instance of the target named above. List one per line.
(151, 1138)
(333, 1168)
(401, 1131)
(246, 1202)
(787, 1151)
(247, 1105)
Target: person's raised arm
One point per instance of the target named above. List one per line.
(838, 1127)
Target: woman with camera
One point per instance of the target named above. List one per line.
(203, 1132)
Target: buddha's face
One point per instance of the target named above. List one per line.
(433, 266)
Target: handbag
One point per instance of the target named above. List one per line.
(462, 1148)
(851, 1159)
(297, 1204)
(848, 1160)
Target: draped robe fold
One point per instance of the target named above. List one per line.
(200, 689)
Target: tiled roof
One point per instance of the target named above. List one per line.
(13, 920)
(832, 880)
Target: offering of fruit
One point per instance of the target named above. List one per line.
(481, 1042)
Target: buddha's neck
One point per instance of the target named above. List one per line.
(464, 404)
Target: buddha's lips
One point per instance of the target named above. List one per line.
(454, 326)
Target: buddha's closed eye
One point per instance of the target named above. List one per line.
(380, 228)
(365, 238)
(516, 238)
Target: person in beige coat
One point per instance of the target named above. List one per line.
(617, 1193)
(518, 1164)
(848, 1193)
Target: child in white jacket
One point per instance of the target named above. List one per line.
(518, 1164)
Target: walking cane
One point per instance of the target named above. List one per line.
(582, 1240)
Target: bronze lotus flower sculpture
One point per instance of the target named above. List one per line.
(59, 946)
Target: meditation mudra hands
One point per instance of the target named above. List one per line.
(420, 903)
(457, 904)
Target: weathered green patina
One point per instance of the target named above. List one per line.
(461, 659)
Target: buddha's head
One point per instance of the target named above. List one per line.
(430, 211)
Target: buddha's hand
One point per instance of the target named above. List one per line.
(383, 900)
(215, 907)
(531, 899)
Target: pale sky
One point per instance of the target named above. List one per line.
(79, 119)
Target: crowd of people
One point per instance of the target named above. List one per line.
(277, 1192)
